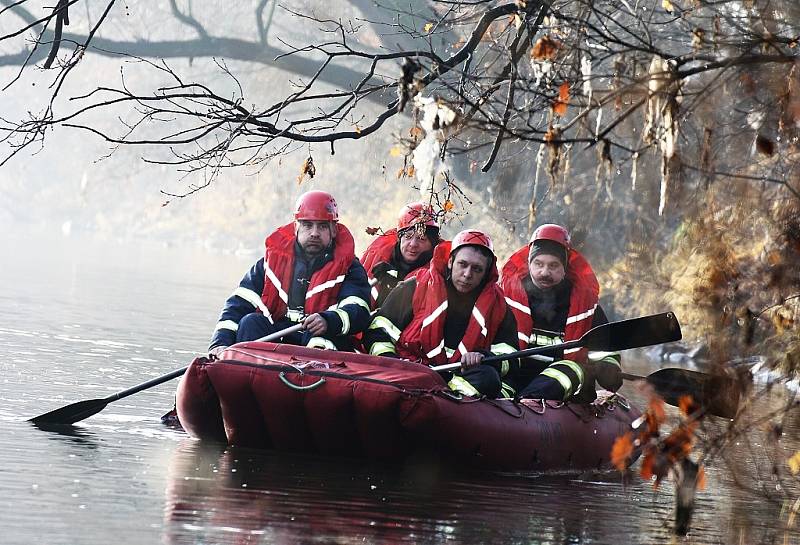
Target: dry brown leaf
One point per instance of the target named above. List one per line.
(307, 169)
(560, 105)
(372, 231)
(622, 451)
(545, 49)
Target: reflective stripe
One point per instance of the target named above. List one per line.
(324, 286)
(374, 293)
(571, 350)
(436, 351)
(381, 348)
(321, 342)
(345, 318)
(392, 273)
(563, 380)
(612, 360)
(435, 314)
(276, 283)
(227, 324)
(577, 369)
(581, 316)
(373, 281)
(449, 351)
(461, 348)
(254, 299)
(502, 348)
(523, 337)
(353, 300)
(295, 315)
(506, 390)
(384, 323)
(518, 306)
(460, 385)
(480, 319)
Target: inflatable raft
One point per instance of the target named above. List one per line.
(293, 398)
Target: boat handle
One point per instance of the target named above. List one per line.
(286, 381)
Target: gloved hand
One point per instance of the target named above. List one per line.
(608, 375)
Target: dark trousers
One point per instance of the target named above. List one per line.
(255, 325)
(483, 378)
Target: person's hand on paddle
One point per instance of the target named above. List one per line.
(215, 352)
(470, 360)
(315, 324)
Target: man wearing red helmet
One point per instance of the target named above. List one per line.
(399, 252)
(451, 311)
(553, 293)
(309, 274)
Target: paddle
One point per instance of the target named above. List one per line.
(610, 337)
(76, 412)
(716, 394)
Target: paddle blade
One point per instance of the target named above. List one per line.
(633, 333)
(717, 395)
(71, 413)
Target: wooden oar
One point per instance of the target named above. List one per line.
(610, 337)
(76, 412)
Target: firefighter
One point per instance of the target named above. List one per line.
(309, 274)
(397, 253)
(451, 311)
(553, 293)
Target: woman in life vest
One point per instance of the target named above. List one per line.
(309, 274)
(397, 253)
(553, 293)
(451, 311)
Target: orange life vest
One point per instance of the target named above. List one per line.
(380, 250)
(323, 288)
(582, 303)
(423, 338)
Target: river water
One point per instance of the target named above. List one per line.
(84, 319)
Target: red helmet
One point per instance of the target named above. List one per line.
(551, 231)
(416, 213)
(472, 237)
(316, 206)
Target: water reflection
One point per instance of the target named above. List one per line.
(227, 495)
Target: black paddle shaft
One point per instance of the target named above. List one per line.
(613, 337)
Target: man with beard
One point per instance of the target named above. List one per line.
(553, 293)
(309, 274)
(451, 311)
(397, 253)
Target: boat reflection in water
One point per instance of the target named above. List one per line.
(219, 494)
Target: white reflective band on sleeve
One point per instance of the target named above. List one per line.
(460, 385)
(381, 348)
(353, 300)
(345, 318)
(436, 350)
(571, 350)
(596, 356)
(435, 314)
(384, 323)
(321, 342)
(581, 316)
(562, 379)
(518, 306)
(227, 324)
(480, 319)
(324, 286)
(276, 283)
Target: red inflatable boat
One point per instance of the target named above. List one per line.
(294, 398)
